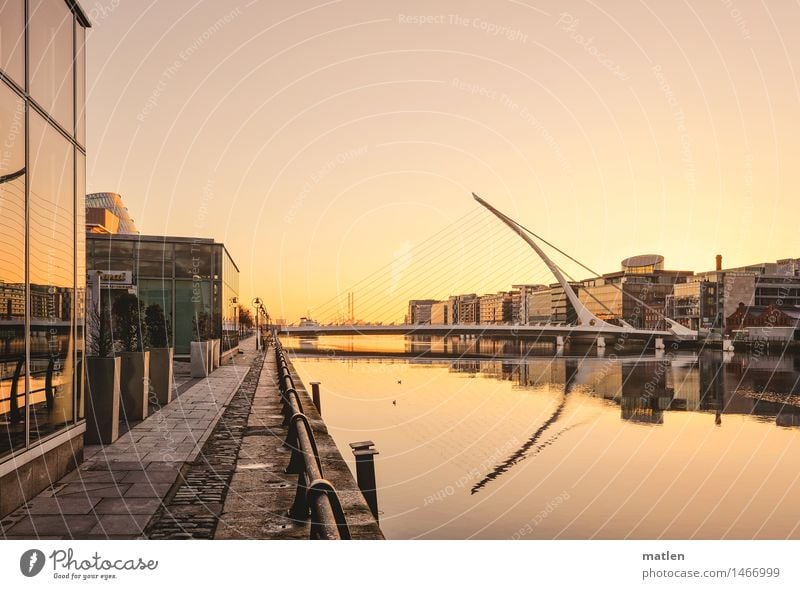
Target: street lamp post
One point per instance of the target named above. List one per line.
(258, 304)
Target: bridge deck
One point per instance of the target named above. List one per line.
(510, 331)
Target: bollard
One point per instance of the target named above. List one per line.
(315, 396)
(365, 473)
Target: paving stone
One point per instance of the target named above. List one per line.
(114, 525)
(132, 505)
(148, 490)
(54, 525)
(67, 506)
(151, 476)
(93, 490)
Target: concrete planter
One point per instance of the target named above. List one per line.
(134, 384)
(199, 359)
(215, 345)
(161, 375)
(102, 400)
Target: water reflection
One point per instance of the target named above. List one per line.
(684, 445)
(645, 385)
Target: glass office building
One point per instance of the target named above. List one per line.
(194, 281)
(42, 245)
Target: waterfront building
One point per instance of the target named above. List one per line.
(540, 306)
(194, 280)
(616, 296)
(466, 309)
(42, 183)
(439, 313)
(419, 311)
(522, 295)
(713, 300)
(106, 213)
(770, 322)
(496, 308)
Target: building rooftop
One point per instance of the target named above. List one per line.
(107, 213)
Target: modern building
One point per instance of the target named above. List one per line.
(194, 280)
(106, 213)
(714, 300)
(638, 294)
(439, 313)
(496, 308)
(465, 309)
(521, 302)
(419, 311)
(42, 183)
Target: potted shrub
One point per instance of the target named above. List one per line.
(200, 346)
(161, 355)
(102, 399)
(131, 334)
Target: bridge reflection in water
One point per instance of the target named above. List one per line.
(681, 445)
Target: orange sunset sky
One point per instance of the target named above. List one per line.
(321, 141)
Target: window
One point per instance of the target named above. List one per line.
(12, 270)
(12, 40)
(50, 44)
(158, 292)
(193, 317)
(192, 260)
(52, 279)
(80, 86)
(80, 275)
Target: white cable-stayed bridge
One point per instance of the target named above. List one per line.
(587, 326)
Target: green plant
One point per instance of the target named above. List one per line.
(157, 326)
(129, 329)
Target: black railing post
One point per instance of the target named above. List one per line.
(365, 473)
(315, 396)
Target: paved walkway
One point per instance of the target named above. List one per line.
(118, 488)
(260, 492)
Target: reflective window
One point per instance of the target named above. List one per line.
(12, 40)
(80, 276)
(155, 259)
(157, 298)
(50, 44)
(12, 270)
(80, 86)
(52, 278)
(193, 318)
(193, 259)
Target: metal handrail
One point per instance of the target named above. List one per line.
(316, 496)
(47, 388)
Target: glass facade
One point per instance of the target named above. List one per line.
(42, 178)
(194, 282)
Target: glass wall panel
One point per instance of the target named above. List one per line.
(193, 259)
(52, 278)
(155, 260)
(230, 301)
(12, 270)
(80, 277)
(156, 292)
(192, 311)
(12, 40)
(50, 46)
(80, 85)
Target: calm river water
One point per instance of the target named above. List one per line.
(527, 444)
